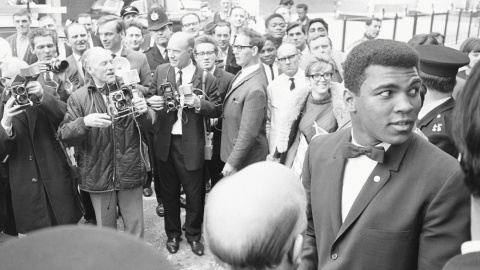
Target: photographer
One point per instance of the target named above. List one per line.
(53, 75)
(110, 159)
(41, 187)
(180, 137)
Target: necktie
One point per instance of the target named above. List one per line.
(271, 70)
(292, 85)
(48, 79)
(374, 153)
(179, 80)
(113, 55)
(166, 56)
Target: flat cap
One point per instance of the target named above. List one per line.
(129, 10)
(441, 61)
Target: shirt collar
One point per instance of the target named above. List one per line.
(76, 56)
(213, 69)
(161, 49)
(250, 69)
(430, 106)
(189, 68)
(382, 144)
(119, 52)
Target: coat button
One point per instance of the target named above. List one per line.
(34, 180)
(30, 158)
(334, 256)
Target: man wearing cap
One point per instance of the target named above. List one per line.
(438, 69)
(160, 28)
(130, 14)
(112, 31)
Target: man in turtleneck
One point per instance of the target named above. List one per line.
(372, 29)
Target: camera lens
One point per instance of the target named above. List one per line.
(170, 105)
(22, 99)
(20, 90)
(121, 105)
(118, 96)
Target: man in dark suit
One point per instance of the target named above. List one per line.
(244, 139)
(93, 39)
(77, 37)
(221, 31)
(19, 41)
(371, 202)
(180, 137)
(438, 69)
(206, 51)
(160, 28)
(112, 30)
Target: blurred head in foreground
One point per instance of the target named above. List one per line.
(255, 218)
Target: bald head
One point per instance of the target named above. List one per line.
(179, 48)
(97, 62)
(240, 227)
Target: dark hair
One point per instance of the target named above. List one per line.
(112, 18)
(316, 20)
(286, 2)
(65, 30)
(466, 123)
(188, 14)
(422, 39)
(439, 84)
(369, 21)
(41, 32)
(133, 24)
(271, 17)
(380, 52)
(209, 29)
(255, 38)
(304, 6)
(22, 12)
(470, 45)
(206, 39)
(268, 37)
(295, 24)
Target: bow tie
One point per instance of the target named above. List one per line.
(374, 153)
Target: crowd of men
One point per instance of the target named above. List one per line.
(79, 138)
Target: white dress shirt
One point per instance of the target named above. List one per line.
(187, 77)
(279, 97)
(162, 50)
(244, 73)
(357, 171)
(268, 71)
(426, 108)
(22, 46)
(79, 64)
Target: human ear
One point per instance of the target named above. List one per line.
(349, 99)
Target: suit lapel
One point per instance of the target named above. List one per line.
(157, 56)
(447, 105)
(335, 177)
(249, 76)
(392, 161)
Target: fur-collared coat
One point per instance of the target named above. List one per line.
(289, 134)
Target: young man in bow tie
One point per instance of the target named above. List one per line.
(379, 196)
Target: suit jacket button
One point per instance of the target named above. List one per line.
(34, 180)
(30, 158)
(334, 256)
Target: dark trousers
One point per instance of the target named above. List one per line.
(87, 202)
(215, 167)
(174, 173)
(153, 174)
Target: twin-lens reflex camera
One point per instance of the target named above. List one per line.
(120, 95)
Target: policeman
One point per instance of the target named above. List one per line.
(160, 28)
(438, 69)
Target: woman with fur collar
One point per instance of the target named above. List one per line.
(315, 110)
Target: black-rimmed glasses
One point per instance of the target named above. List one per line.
(317, 76)
(241, 47)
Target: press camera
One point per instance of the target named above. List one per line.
(19, 86)
(120, 95)
(57, 66)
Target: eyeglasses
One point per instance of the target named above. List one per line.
(317, 76)
(290, 58)
(202, 54)
(191, 24)
(240, 47)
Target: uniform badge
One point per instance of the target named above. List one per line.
(437, 128)
(154, 16)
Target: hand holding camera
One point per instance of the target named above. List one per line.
(10, 111)
(140, 104)
(54, 65)
(99, 120)
(35, 88)
(156, 102)
(191, 99)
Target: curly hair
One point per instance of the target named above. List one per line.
(379, 52)
(466, 123)
(41, 32)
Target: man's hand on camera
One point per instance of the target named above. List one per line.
(192, 101)
(140, 104)
(9, 112)
(99, 120)
(156, 102)
(36, 89)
